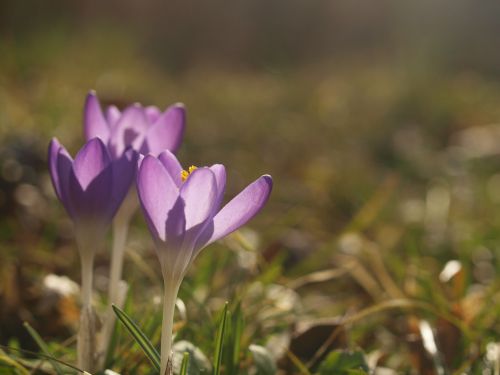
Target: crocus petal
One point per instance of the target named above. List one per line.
(152, 113)
(54, 148)
(172, 166)
(91, 205)
(90, 161)
(130, 130)
(199, 193)
(239, 210)
(175, 225)
(90, 184)
(124, 170)
(220, 177)
(167, 132)
(113, 114)
(157, 195)
(94, 123)
(64, 166)
(170, 251)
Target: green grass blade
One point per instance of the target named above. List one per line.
(139, 337)
(43, 347)
(220, 341)
(234, 330)
(184, 364)
(12, 364)
(38, 355)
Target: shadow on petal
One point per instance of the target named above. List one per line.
(93, 202)
(124, 171)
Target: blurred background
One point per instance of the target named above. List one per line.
(379, 122)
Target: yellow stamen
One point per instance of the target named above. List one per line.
(185, 174)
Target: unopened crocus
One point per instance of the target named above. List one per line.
(146, 130)
(91, 188)
(183, 212)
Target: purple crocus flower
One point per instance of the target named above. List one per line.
(183, 208)
(183, 212)
(92, 186)
(145, 129)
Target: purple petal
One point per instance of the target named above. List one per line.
(90, 161)
(157, 194)
(124, 171)
(94, 123)
(64, 165)
(90, 184)
(113, 114)
(239, 210)
(220, 177)
(54, 148)
(175, 225)
(167, 132)
(170, 251)
(130, 130)
(91, 205)
(172, 166)
(199, 193)
(152, 113)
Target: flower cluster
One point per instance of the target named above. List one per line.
(183, 208)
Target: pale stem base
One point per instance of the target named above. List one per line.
(170, 296)
(86, 333)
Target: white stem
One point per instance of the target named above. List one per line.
(120, 231)
(171, 289)
(86, 333)
(121, 225)
(87, 261)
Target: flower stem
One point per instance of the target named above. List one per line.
(120, 230)
(170, 296)
(116, 289)
(86, 333)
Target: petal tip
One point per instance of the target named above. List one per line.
(179, 105)
(147, 158)
(96, 141)
(54, 142)
(268, 179)
(166, 154)
(177, 108)
(91, 100)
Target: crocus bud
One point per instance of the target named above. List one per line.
(92, 186)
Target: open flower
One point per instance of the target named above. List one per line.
(92, 186)
(184, 214)
(183, 208)
(145, 129)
